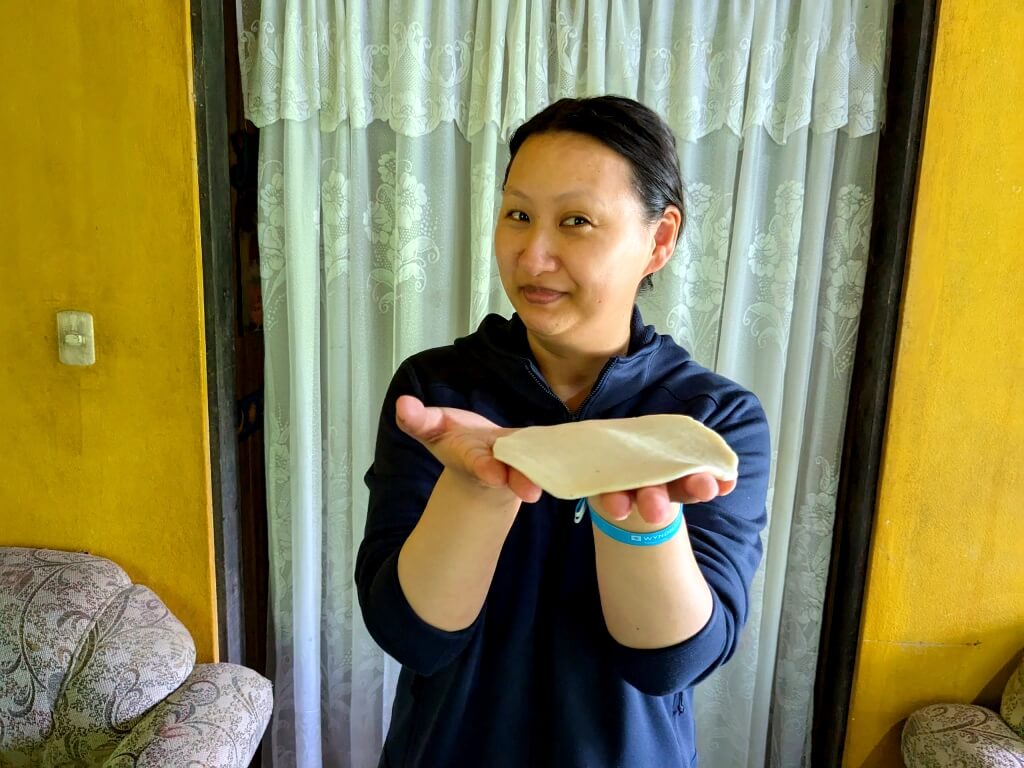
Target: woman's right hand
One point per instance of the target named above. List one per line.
(463, 441)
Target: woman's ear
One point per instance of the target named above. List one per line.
(666, 231)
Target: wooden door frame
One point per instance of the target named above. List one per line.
(912, 34)
(219, 296)
(911, 40)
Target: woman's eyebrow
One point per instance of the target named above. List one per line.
(576, 192)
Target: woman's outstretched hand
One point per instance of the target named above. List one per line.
(654, 503)
(463, 442)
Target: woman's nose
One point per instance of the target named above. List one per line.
(537, 255)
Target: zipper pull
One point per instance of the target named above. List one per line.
(680, 704)
(581, 509)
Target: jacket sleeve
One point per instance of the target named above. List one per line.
(400, 481)
(725, 534)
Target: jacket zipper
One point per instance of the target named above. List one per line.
(586, 401)
(679, 704)
(579, 411)
(544, 386)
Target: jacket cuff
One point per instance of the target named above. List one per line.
(402, 634)
(661, 671)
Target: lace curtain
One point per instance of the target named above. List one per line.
(383, 142)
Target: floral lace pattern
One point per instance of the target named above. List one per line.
(772, 258)
(699, 264)
(846, 262)
(401, 226)
(419, 65)
(796, 279)
(92, 655)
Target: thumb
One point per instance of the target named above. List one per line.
(416, 420)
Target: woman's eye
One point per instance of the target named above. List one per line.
(575, 221)
(517, 216)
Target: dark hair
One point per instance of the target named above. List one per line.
(634, 131)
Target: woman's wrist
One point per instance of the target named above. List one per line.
(471, 488)
(634, 523)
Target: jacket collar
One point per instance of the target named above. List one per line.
(501, 345)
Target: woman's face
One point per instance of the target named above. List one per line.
(573, 241)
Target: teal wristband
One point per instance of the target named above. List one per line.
(630, 537)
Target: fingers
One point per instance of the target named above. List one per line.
(416, 420)
(523, 487)
(460, 440)
(429, 425)
(616, 505)
(476, 459)
(702, 486)
(654, 505)
(693, 489)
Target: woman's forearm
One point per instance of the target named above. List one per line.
(446, 565)
(652, 597)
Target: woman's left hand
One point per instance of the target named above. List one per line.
(654, 503)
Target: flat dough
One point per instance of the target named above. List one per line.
(585, 458)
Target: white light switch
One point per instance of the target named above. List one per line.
(75, 341)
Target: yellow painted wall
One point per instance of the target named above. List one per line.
(98, 212)
(944, 613)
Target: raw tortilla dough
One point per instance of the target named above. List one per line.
(585, 458)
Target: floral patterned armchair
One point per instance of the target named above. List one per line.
(96, 671)
(967, 736)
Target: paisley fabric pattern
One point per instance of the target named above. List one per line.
(1012, 708)
(85, 655)
(135, 654)
(960, 735)
(215, 719)
(47, 601)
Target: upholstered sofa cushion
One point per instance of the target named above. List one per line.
(134, 655)
(94, 668)
(1012, 708)
(216, 718)
(960, 736)
(48, 603)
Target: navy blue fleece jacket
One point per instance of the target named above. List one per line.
(537, 680)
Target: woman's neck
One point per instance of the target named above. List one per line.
(572, 372)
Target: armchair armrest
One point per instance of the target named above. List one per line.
(216, 718)
(1012, 708)
(948, 735)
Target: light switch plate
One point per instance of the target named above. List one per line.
(76, 343)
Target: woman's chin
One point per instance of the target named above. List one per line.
(546, 314)
(543, 320)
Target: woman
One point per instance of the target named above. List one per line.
(528, 637)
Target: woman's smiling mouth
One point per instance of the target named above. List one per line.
(536, 295)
